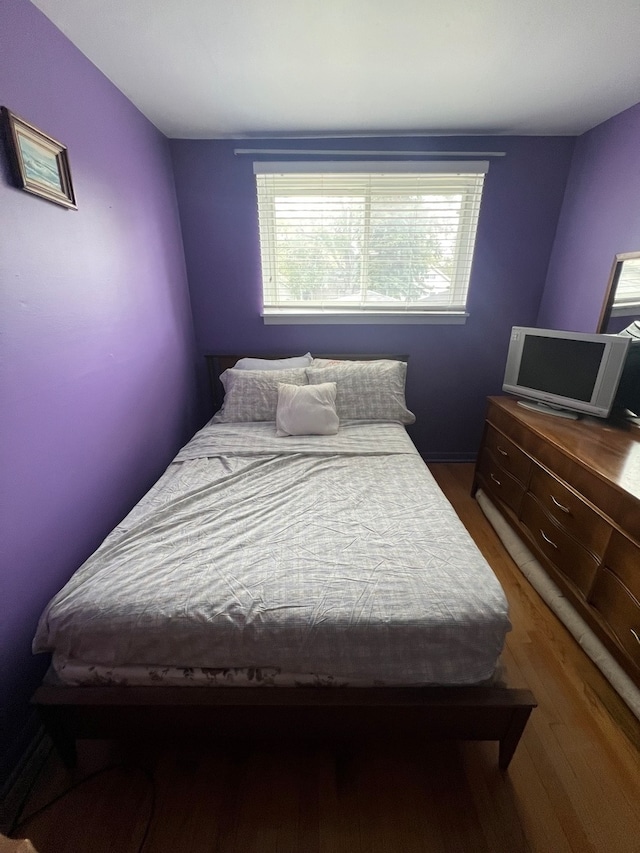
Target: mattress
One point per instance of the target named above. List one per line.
(337, 557)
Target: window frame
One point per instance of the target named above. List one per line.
(296, 311)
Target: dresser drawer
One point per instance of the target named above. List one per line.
(498, 483)
(620, 610)
(511, 459)
(570, 511)
(622, 558)
(576, 563)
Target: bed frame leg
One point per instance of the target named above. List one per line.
(58, 730)
(511, 738)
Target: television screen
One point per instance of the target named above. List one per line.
(560, 366)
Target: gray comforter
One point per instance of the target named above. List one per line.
(326, 554)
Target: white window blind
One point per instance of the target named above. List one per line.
(627, 296)
(368, 237)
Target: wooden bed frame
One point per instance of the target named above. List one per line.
(397, 714)
(408, 715)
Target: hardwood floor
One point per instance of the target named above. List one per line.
(573, 785)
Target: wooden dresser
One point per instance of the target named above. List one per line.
(571, 490)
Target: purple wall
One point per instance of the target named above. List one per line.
(451, 368)
(96, 358)
(600, 218)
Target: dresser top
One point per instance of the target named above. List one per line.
(609, 450)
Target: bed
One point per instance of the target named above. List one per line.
(296, 570)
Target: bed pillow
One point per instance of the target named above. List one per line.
(328, 362)
(274, 363)
(307, 410)
(252, 395)
(367, 390)
(268, 364)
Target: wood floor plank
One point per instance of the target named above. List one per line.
(495, 800)
(572, 787)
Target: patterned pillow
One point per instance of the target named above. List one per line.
(252, 395)
(268, 364)
(367, 390)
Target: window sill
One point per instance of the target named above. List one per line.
(297, 317)
(628, 310)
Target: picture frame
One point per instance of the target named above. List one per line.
(39, 162)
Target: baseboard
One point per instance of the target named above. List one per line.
(449, 457)
(17, 787)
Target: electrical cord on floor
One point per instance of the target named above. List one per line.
(15, 823)
(20, 822)
(152, 811)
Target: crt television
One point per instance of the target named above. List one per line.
(565, 373)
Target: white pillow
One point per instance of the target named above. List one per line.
(252, 395)
(307, 410)
(273, 363)
(367, 390)
(268, 364)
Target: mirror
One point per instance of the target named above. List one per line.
(622, 299)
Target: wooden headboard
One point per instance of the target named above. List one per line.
(217, 364)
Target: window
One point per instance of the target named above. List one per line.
(627, 289)
(363, 240)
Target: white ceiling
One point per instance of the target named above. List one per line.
(234, 68)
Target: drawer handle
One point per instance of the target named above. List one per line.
(560, 506)
(546, 539)
(495, 479)
(635, 634)
(502, 452)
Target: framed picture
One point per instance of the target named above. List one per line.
(40, 163)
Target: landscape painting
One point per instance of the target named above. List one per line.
(39, 162)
